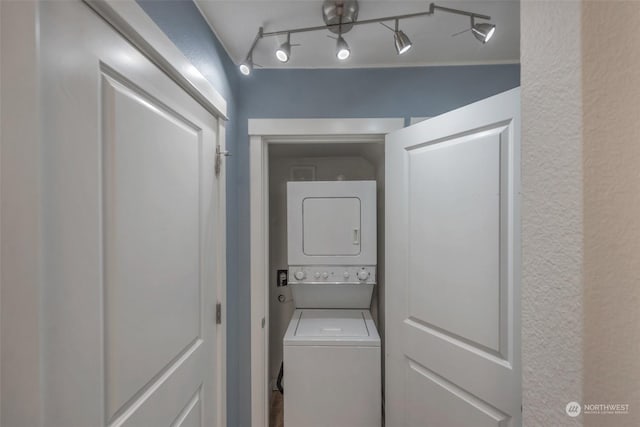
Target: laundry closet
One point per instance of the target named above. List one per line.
(326, 287)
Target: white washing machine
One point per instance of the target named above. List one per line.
(332, 362)
(332, 369)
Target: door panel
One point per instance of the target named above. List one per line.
(151, 166)
(454, 250)
(190, 416)
(447, 405)
(170, 396)
(452, 230)
(130, 202)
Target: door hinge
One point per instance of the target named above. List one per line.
(219, 155)
(218, 313)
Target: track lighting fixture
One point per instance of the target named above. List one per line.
(342, 49)
(247, 66)
(483, 32)
(284, 51)
(402, 42)
(340, 16)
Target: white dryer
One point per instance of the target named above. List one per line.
(332, 370)
(332, 243)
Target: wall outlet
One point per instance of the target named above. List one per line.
(281, 280)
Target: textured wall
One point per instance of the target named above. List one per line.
(552, 219)
(21, 375)
(611, 92)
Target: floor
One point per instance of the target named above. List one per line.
(276, 411)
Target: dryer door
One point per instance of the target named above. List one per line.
(331, 226)
(331, 223)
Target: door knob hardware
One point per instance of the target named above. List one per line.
(220, 153)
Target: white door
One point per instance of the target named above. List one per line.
(452, 293)
(129, 220)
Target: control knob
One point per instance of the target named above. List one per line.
(316, 275)
(299, 275)
(346, 274)
(363, 274)
(325, 275)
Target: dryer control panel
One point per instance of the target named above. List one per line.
(318, 274)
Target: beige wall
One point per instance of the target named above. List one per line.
(21, 381)
(581, 209)
(552, 220)
(611, 112)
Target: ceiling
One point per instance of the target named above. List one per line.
(236, 23)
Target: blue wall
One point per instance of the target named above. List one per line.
(301, 93)
(370, 92)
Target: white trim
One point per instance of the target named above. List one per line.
(221, 291)
(138, 28)
(259, 267)
(263, 132)
(314, 127)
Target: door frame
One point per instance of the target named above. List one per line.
(263, 132)
(21, 145)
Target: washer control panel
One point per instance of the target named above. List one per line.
(314, 274)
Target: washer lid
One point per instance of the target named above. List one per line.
(332, 327)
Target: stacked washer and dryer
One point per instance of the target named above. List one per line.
(332, 359)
